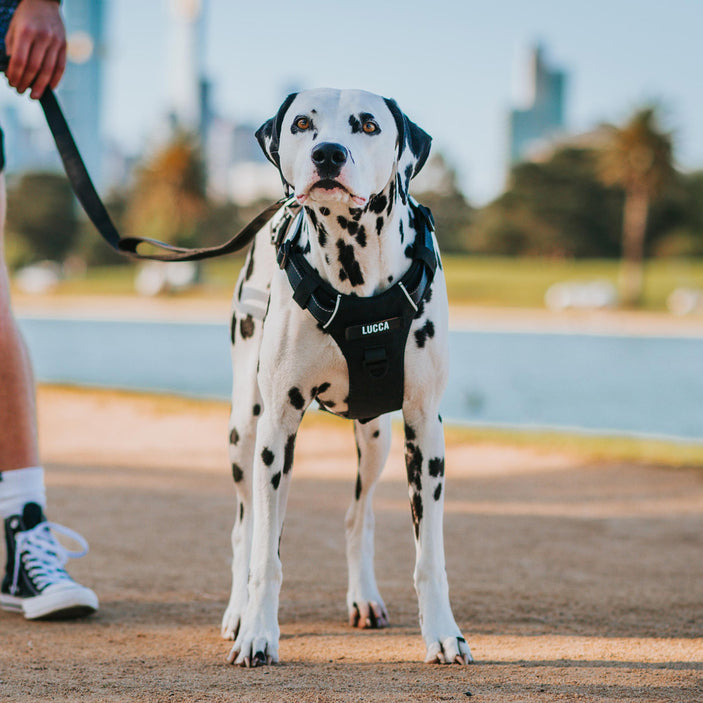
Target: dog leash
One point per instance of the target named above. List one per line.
(94, 208)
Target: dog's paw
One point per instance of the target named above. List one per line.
(231, 621)
(368, 615)
(449, 650)
(256, 643)
(253, 652)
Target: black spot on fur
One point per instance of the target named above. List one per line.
(288, 454)
(437, 467)
(250, 265)
(391, 198)
(296, 398)
(378, 203)
(408, 176)
(256, 410)
(233, 328)
(428, 294)
(241, 512)
(268, 456)
(409, 433)
(424, 333)
(358, 486)
(233, 436)
(420, 310)
(322, 388)
(355, 213)
(413, 465)
(237, 473)
(439, 417)
(350, 266)
(324, 211)
(276, 479)
(402, 232)
(401, 190)
(438, 492)
(246, 327)
(355, 124)
(360, 235)
(390, 279)
(375, 434)
(409, 251)
(342, 222)
(352, 226)
(416, 507)
(312, 216)
(379, 224)
(321, 234)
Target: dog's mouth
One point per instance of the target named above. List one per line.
(329, 186)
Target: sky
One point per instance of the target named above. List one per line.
(450, 64)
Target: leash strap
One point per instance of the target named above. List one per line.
(95, 209)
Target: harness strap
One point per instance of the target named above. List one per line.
(371, 332)
(313, 293)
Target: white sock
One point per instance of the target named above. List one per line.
(17, 488)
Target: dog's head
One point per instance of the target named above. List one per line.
(342, 145)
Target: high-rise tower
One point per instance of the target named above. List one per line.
(81, 87)
(543, 117)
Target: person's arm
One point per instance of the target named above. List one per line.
(36, 44)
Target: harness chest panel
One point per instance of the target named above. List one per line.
(371, 332)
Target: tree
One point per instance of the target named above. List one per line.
(168, 201)
(637, 157)
(436, 187)
(41, 217)
(553, 207)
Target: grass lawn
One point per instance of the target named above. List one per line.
(471, 280)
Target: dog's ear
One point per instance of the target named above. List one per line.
(268, 135)
(413, 142)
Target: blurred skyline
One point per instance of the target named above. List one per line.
(454, 68)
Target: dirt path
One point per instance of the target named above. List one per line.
(571, 582)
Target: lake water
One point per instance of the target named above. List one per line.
(622, 385)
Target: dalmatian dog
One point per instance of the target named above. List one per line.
(347, 157)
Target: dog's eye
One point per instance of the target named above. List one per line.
(370, 127)
(303, 123)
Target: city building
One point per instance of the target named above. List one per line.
(541, 119)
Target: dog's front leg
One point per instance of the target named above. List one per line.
(257, 640)
(424, 458)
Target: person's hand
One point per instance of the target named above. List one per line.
(36, 44)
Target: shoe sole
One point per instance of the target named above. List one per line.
(61, 604)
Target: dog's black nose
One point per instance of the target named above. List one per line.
(329, 158)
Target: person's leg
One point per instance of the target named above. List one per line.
(35, 581)
(18, 439)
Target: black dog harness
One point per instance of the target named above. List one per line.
(371, 332)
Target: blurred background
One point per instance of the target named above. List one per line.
(566, 180)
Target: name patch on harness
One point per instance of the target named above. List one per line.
(371, 329)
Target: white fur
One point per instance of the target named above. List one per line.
(287, 351)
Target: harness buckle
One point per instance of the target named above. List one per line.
(376, 361)
(284, 253)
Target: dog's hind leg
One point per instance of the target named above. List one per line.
(364, 603)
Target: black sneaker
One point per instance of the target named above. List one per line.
(36, 582)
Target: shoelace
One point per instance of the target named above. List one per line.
(44, 556)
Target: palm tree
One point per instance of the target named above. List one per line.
(636, 157)
(169, 197)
